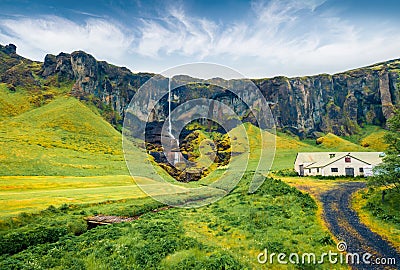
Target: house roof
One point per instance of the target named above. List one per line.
(322, 159)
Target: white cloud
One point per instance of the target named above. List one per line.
(287, 37)
(292, 35)
(176, 33)
(269, 33)
(52, 34)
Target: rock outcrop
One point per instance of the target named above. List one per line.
(15, 70)
(338, 103)
(114, 86)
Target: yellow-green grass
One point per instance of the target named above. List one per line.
(375, 141)
(331, 141)
(313, 186)
(34, 193)
(65, 123)
(20, 100)
(202, 147)
(287, 148)
(370, 137)
(63, 137)
(35, 183)
(12, 104)
(386, 229)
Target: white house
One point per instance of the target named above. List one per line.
(337, 163)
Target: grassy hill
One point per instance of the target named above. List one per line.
(63, 137)
(12, 104)
(375, 140)
(369, 137)
(331, 141)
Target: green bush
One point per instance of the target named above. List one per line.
(77, 227)
(15, 242)
(286, 172)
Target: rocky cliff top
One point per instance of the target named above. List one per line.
(8, 49)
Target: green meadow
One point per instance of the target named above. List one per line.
(34, 193)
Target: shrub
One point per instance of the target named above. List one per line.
(77, 227)
(286, 172)
(64, 207)
(15, 242)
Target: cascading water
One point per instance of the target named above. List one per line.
(176, 153)
(169, 110)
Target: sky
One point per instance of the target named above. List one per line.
(257, 38)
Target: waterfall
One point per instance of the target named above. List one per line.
(176, 158)
(169, 113)
(169, 109)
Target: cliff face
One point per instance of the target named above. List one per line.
(338, 103)
(114, 86)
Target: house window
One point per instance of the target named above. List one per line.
(334, 169)
(331, 155)
(362, 170)
(309, 170)
(317, 170)
(347, 159)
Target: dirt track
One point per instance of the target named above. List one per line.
(346, 226)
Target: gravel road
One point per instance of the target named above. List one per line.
(344, 223)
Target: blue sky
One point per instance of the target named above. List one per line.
(257, 38)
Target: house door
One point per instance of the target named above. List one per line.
(349, 171)
(301, 170)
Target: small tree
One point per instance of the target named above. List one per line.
(388, 173)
